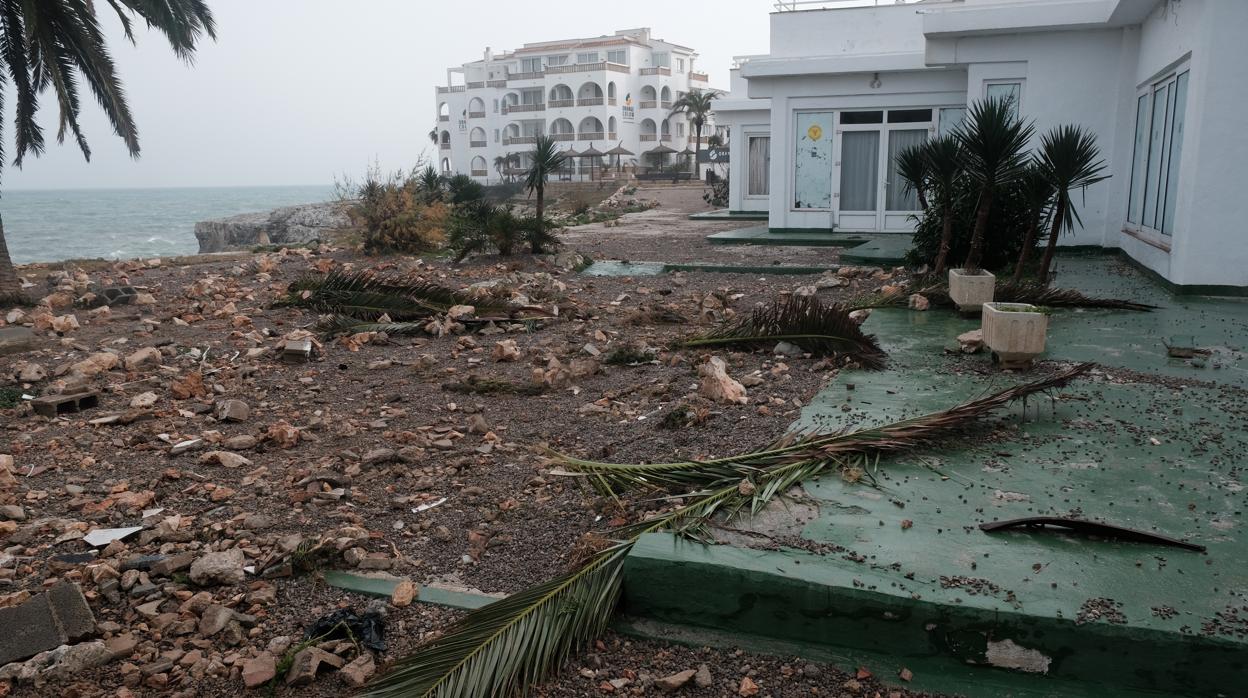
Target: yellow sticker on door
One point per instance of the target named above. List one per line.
(815, 132)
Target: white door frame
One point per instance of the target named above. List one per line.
(881, 219)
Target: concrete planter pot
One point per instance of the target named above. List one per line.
(971, 291)
(1015, 332)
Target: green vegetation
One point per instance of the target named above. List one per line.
(546, 160)
(697, 106)
(10, 398)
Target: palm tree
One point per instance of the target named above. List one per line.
(500, 165)
(57, 43)
(696, 106)
(1069, 159)
(993, 141)
(1038, 193)
(546, 160)
(944, 165)
(430, 184)
(912, 168)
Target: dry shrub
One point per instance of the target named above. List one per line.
(395, 215)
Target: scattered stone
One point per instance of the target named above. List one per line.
(225, 459)
(971, 342)
(31, 373)
(703, 678)
(144, 400)
(747, 687)
(359, 671)
(233, 411)
(14, 340)
(676, 681)
(143, 357)
(219, 568)
(44, 622)
(506, 350)
(919, 302)
(214, 619)
(404, 593)
(259, 670)
(58, 664)
(306, 663)
(12, 512)
(717, 385)
(860, 316)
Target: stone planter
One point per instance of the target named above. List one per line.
(1015, 332)
(971, 291)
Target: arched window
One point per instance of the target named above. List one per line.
(666, 97)
(611, 127)
(611, 90)
(649, 98)
(476, 108)
(479, 167)
(444, 112)
(477, 139)
(649, 130)
(445, 139)
(590, 95)
(561, 130)
(446, 166)
(590, 129)
(561, 96)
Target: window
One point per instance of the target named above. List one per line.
(662, 60)
(950, 119)
(496, 106)
(495, 135)
(556, 60)
(759, 183)
(909, 116)
(680, 65)
(1160, 117)
(1012, 91)
(680, 129)
(530, 65)
(588, 57)
(862, 117)
(620, 57)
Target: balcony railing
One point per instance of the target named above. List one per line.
(480, 173)
(647, 105)
(477, 144)
(520, 140)
(474, 85)
(444, 117)
(649, 138)
(591, 136)
(666, 138)
(445, 146)
(612, 101)
(495, 83)
(476, 115)
(660, 70)
(452, 88)
(526, 76)
(699, 77)
(611, 136)
(557, 103)
(589, 102)
(586, 67)
(665, 105)
(562, 136)
(515, 108)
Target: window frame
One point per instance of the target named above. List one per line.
(618, 52)
(1022, 91)
(594, 55)
(749, 138)
(1157, 186)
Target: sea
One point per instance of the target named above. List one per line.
(51, 225)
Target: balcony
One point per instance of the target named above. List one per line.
(612, 136)
(649, 138)
(477, 144)
(666, 138)
(591, 136)
(516, 108)
(520, 140)
(495, 83)
(563, 136)
(665, 105)
(612, 102)
(526, 76)
(559, 103)
(474, 85)
(476, 115)
(647, 105)
(586, 68)
(660, 70)
(589, 102)
(480, 173)
(444, 117)
(698, 77)
(444, 146)
(452, 88)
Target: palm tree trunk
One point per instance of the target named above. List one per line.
(536, 247)
(976, 254)
(9, 284)
(697, 148)
(946, 237)
(1029, 243)
(1054, 231)
(922, 199)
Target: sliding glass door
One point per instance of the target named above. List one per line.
(872, 195)
(1160, 119)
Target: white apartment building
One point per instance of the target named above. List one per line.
(815, 124)
(603, 92)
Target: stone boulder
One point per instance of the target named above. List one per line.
(291, 225)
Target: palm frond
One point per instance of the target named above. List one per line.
(366, 296)
(339, 325)
(812, 450)
(822, 330)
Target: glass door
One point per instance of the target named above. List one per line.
(860, 180)
(900, 201)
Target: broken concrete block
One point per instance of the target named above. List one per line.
(52, 405)
(45, 622)
(305, 664)
(14, 340)
(297, 350)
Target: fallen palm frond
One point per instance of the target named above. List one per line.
(1025, 292)
(821, 330)
(843, 449)
(504, 648)
(367, 296)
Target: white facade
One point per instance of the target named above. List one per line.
(1159, 82)
(605, 92)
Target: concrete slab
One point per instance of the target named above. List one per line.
(902, 569)
(46, 621)
(762, 235)
(610, 267)
(14, 340)
(724, 214)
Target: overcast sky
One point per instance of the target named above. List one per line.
(298, 91)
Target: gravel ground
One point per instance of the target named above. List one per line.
(665, 234)
(381, 429)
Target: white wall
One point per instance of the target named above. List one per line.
(858, 30)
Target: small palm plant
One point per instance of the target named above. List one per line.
(546, 160)
(993, 140)
(697, 107)
(1069, 159)
(912, 167)
(430, 184)
(1038, 191)
(944, 166)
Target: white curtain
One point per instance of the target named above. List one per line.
(860, 170)
(760, 166)
(901, 198)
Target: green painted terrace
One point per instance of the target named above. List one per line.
(899, 574)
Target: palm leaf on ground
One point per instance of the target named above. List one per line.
(508, 646)
(367, 296)
(822, 330)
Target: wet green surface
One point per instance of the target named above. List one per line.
(762, 235)
(1147, 442)
(724, 214)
